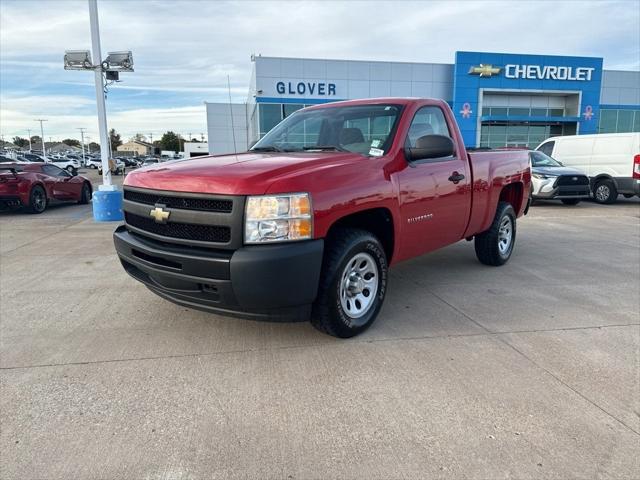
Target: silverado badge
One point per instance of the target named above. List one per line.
(159, 215)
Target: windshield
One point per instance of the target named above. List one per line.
(364, 129)
(539, 159)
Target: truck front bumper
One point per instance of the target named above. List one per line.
(262, 282)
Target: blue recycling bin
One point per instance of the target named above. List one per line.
(107, 206)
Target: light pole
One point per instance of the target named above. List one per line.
(82, 129)
(102, 109)
(29, 132)
(44, 151)
(107, 201)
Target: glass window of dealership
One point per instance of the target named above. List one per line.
(498, 99)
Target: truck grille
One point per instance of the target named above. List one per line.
(203, 221)
(187, 203)
(185, 231)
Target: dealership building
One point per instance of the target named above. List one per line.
(498, 99)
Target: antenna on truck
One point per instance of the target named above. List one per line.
(233, 129)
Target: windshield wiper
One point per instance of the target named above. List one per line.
(268, 148)
(325, 147)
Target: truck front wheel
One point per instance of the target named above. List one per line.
(494, 247)
(352, 284)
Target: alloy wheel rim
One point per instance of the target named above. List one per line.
(602, 193)
(505, 235)
(359, 286)
(38, 199)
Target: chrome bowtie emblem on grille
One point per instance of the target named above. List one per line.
(575, 179)
(159, 215)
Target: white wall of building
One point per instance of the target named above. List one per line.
(353, 79)
(219, 127)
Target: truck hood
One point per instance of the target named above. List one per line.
(242, 174)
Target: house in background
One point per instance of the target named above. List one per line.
(135, 148)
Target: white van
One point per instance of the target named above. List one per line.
(611, 160)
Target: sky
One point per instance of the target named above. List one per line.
(184, 50)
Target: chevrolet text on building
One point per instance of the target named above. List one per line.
(548, 72)
(499, 99)
(535, 72)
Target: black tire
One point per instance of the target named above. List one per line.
(37, 200)
(605, 192)
(490, 245)
(571, 201)
(85, 195)
(70, 169)
(343, 248)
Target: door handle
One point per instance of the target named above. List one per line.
(456, 177)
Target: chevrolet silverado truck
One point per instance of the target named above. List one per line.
(305, 225)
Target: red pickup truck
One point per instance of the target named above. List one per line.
(306, 223)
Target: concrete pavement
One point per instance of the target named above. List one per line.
(525, 371)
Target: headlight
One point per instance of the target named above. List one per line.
(278, 218)
(543, 176)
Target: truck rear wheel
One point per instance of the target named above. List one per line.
(494, 247)
(352, 284)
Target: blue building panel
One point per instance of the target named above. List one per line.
(503, 72)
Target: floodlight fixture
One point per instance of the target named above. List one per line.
(77, 60)
(118, 62)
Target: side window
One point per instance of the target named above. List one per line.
(547, 148)
(53, 171)
(428, 121)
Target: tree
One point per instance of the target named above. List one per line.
(94, 147)
(71, 142)
(170, 141)
(20, 142)
(139, 137)
(114, 139)
(35, 140)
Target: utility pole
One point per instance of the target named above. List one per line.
(102, 108)
(202, 137)
(44, 150)
(29, 132)
(82, 129)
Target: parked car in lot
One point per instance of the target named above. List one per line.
(94, 163)
(36, 185)
(306, 223)
(117, 167)
(611, 160)
(551, 180)
(31, 157)
(69, 164)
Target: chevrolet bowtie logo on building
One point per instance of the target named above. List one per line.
(159, 215)
(485, 70)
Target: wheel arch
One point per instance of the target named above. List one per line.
(602, 176)
(513, 194)
(377, 220)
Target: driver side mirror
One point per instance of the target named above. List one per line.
(431, 146)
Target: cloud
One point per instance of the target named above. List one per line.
(184, 50)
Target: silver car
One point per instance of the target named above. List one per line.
(550, 180)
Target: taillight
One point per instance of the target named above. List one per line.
(636, 167)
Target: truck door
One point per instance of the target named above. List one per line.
(435, 195)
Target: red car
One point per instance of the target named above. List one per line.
(35, 185)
